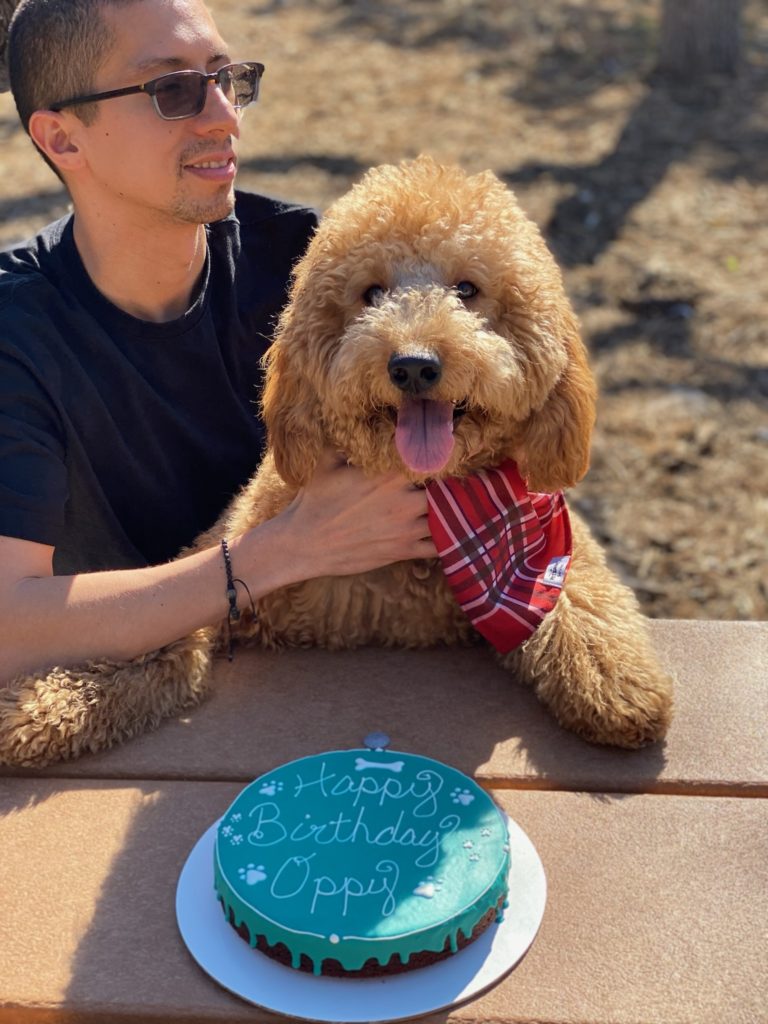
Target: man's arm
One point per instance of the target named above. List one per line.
(341, 523)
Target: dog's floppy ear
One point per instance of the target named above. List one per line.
(297, 364)
(557, 436)
(537, 316)
(296, 368)
(291, 414)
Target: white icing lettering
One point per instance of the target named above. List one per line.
(274, 831)
(325, 834)
(428, 804)
(332, 835)
(352, 888)
(359, 824)
(428, 860)
(297, 836)
(320, 891)
(367, 785)
(342, 830)
(389, 867)
(392, 790)
(320, 781)
(299, 882)
(388, 834)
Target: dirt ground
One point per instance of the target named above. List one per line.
(653, 196)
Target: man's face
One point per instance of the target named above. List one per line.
(182, 169)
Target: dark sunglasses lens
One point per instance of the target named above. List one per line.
(181, 94)
(240, 83)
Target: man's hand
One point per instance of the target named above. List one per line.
(348, 523)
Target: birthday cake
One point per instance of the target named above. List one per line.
(361, 862)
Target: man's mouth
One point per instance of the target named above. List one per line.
(219, 168)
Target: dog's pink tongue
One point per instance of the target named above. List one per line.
(424, 434)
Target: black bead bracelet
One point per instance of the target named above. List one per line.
(234, 611)
(233, 615)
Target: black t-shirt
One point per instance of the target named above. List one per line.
(121, 440)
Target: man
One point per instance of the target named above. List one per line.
(130, 338)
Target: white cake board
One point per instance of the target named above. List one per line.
(231, 962)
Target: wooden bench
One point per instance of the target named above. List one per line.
(656, 860)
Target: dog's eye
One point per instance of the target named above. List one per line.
(373, 295)
(466, 290)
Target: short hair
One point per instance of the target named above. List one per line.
(55, 48)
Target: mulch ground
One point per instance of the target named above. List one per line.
(653, 195)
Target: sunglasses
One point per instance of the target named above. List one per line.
(182, 94)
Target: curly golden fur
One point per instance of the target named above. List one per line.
(515, 370)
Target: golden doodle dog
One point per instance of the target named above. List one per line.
(418, 265)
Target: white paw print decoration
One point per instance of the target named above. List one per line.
(271, 788)
(462, 796)
(429, 888)
(252, 874)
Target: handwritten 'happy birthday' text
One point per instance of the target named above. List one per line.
(269, 830)
(424, 789)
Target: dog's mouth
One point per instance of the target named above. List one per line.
(424, 432)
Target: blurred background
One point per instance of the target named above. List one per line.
(635, 133)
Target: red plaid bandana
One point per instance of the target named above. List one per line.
(505, 552)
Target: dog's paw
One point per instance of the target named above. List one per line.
(63, 713)
(613, 693)
(40, 716)
(616, 711)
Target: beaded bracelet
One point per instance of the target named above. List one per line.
(233, 615)
(234, 611)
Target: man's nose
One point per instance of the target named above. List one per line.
(219, 109)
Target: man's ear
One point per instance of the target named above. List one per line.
(56, 135)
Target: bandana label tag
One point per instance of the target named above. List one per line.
(556, 570)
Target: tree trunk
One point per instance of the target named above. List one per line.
(700, 37)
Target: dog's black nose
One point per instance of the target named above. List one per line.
(414, 374)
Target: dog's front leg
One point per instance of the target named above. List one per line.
(62, 713)
(591, 660)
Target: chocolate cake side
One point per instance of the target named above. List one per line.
(371, 968)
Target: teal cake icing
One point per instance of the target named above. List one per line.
(356, 855)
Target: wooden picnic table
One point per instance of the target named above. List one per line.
(656, 860)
